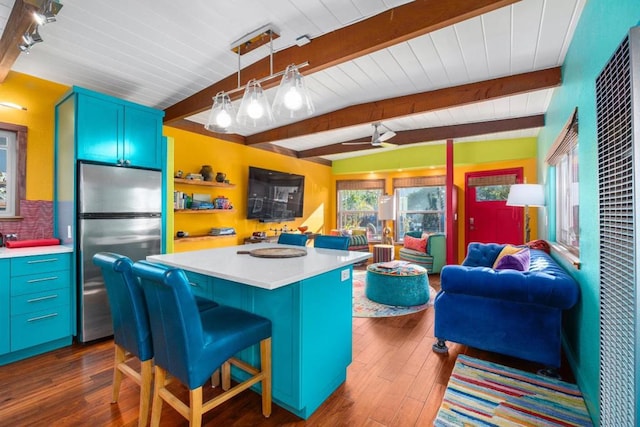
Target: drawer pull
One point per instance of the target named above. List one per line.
(195, 285)
(38, 261)
(46, 316)
(44, 279)
(43, 298)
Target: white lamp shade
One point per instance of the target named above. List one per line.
(387, 208)
(292, 100)
(254, 110)
(222, 116)
(526, 195)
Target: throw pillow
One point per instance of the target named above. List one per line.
(518, 261)
(415, 243)
(507, 250)
(540, 244)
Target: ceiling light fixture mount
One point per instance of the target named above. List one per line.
(292, 100)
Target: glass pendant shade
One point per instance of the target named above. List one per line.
(254, 110)
(222, 114)
(292, 100)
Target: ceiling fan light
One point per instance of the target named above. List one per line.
(222, 114)
(254, 110)
(292, 100)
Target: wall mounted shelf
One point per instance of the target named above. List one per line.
(201, 238)
(203, 183)
(202, 211)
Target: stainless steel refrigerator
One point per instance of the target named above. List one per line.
(119, 210)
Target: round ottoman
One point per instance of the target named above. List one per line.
(397, 283)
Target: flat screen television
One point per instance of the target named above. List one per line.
(274, 196)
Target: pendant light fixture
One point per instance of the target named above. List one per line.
(292, 99)
(254, 110)
(222, 116)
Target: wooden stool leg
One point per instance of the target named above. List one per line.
(156, 407)
(265, 363)
(146, 379)
(226, 376)
(120, 355)
(215, 378)
(195, 407)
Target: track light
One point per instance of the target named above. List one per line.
(30, 39)
(47, 12)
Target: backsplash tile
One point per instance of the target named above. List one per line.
(37, 222)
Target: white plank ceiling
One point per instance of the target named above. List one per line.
(160, 52)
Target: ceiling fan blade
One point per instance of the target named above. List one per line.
(386, 136)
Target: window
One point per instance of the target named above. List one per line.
(13, 149)
(420, 205)
(358, 206)
(563, 157)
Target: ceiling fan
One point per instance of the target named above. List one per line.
(377, 139)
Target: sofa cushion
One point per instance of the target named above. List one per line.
(507, 250)
(358, 240)
(417, 244)
(517, 261)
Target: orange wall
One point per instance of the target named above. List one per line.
(39, 97)
(191, 151)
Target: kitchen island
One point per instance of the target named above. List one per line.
(308, 300)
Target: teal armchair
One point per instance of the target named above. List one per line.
(433, 259)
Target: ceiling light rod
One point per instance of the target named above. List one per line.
(264, 79)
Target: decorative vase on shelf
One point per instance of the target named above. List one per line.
(220, 176)
(207, 172)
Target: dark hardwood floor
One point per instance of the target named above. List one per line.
(394, 380)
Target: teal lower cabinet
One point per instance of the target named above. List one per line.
(5, 307)
(36, 295)
(312, 334)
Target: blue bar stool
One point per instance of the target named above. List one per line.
(292, 239)
(190, 345)
(131, 330)
(332, 242)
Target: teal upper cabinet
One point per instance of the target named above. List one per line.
(110, 130)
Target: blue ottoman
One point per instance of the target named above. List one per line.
(397, 283)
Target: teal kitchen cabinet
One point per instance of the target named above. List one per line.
(114, 131)
(39, 301)
(5, 306)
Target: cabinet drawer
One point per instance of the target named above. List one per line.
(40, 282)
(36, 328)
(39, 264)
(29, 303)
(199, 284)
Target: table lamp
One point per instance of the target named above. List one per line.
(387, 211)
(526, 195)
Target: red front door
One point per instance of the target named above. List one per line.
(488, 218)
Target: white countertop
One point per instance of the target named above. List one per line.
(267, 273)
(36, 250)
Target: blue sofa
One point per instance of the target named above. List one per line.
(517, 313)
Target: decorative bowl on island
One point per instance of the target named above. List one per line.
(303, 228)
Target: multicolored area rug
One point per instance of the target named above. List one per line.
(482, 393)
(364, 307)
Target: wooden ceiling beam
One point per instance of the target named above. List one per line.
(434, 134)
(378, 32)
(20, 21)
(414, 104)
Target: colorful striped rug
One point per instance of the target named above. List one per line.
(482, 393)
